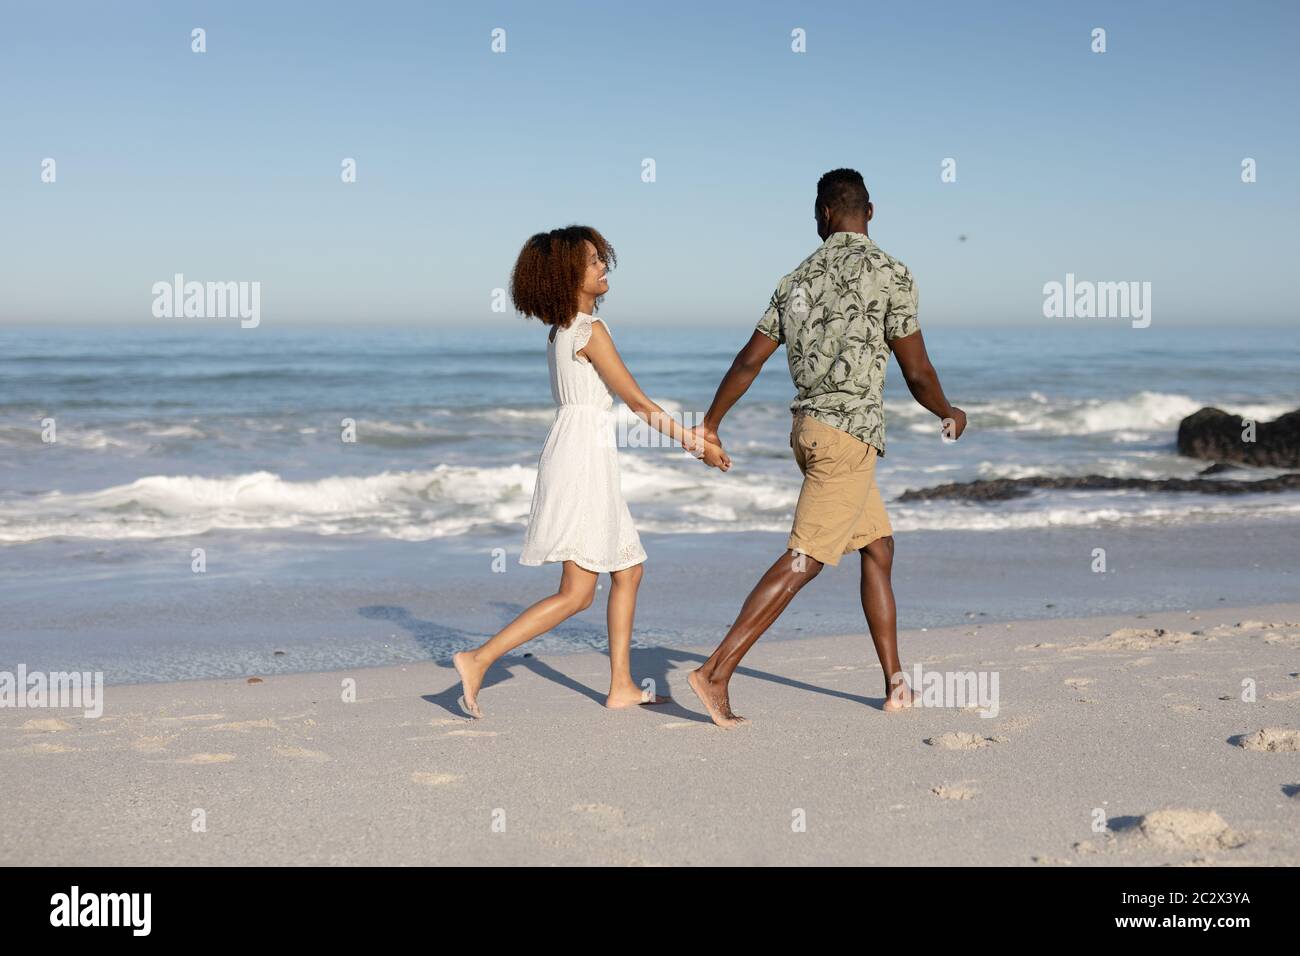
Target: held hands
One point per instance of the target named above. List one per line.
(702, 442)
(715, 457)
(954, 424)
(707, 433)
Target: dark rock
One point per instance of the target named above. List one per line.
(1214, 434)
(1218, 468)
(1003, 489)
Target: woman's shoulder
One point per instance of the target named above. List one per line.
(581, 325)
(588, 322)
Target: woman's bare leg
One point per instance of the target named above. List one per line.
(623, 690)
(577, 588)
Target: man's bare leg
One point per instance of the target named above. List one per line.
(770, 596)
(882, 618)
(577, 589)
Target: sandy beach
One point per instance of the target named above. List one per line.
(1135, 720)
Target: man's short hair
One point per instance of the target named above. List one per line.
(844, 191)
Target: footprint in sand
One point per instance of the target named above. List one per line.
(190, 717)
(960, 740)
(1077, 682)
(152, 745)
(1178, 829)
(1088, 848)
(471, 733)
(1273, 740)
(207, 758)
(1267, 625)
(46, 749)
(1138, 639)
(1282, 639)
(436, 779)
(1278, 696)
(302, 753)
(244, 726)
(953, 792)
(46, 724)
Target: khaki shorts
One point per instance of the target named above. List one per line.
(840, 508)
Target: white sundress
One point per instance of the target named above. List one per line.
(578, 512)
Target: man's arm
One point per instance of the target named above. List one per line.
(744, 369)
(923, 381)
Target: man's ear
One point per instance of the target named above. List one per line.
(871, 210)
(823, 216)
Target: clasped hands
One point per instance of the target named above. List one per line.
(702, 441)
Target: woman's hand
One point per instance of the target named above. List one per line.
(705, 433)
(710, 452)
(702, 442)
(715, 457)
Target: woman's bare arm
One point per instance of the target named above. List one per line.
(600, 351)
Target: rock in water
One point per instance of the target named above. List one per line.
(1218, 468)
(1004, 489)
(1213, 434)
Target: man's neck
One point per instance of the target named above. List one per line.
(858, 227)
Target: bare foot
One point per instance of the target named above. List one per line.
(714, 699)
(901, 697)
(633, 697)
(471, 679)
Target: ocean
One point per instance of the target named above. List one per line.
(231, 440)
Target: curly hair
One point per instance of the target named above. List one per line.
(549, 271)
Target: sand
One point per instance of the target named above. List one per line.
(1168, 738)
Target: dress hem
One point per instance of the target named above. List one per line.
(585, 565)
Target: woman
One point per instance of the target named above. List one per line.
(578, 515)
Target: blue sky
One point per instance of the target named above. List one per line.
(225, 165)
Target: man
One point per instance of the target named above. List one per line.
(839, 314)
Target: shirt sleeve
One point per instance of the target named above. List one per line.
(900, 317)
(770, 324)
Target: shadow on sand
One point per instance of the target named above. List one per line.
(656, 663)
